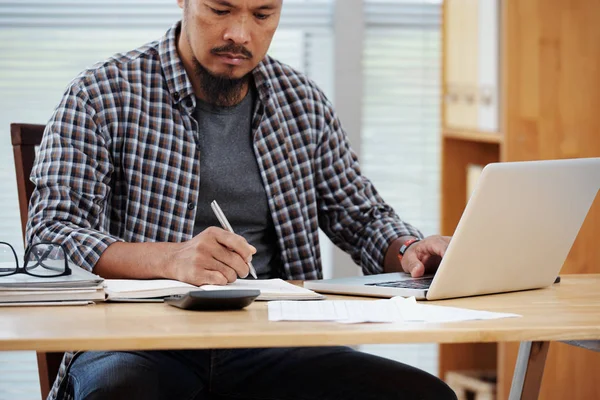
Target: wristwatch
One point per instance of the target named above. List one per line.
(405, 247)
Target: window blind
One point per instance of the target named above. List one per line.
(401, 119)
(44, 44)
(401, 111)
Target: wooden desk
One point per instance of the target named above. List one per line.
(569, 310)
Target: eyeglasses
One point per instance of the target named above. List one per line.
(43, 260)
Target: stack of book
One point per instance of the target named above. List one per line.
(80, 287)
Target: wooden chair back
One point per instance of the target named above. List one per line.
(25, 138)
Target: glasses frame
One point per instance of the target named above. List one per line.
(23, 269)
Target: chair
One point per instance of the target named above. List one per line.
(25, 137)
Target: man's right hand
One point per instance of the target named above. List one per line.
(214, 256)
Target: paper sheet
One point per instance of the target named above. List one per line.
(270, 289)
(397, 309)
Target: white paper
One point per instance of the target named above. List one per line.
(268, 285)
(117, 286)
(122, 289)
(429, 313)
(270, 289)
(397, 309)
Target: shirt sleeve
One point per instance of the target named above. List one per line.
(72, 175)
(351, 212)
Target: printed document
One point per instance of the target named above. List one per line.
(396, 309)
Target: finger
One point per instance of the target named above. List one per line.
(431, 262)
(225, 270)
(233, 260)
(209, 277)
(435, 245)
(412, 265)
(236, 243)
(418, 270)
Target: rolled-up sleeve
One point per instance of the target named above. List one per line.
(72, 174)
(351, 212)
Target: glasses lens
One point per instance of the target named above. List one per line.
(8, 263)
(45, 260)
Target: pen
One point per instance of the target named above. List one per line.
(225, 224)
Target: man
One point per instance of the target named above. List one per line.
(143, 142)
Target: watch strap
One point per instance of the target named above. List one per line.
(405, 247)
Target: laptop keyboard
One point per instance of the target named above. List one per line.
(417, 283)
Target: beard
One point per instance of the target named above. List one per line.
(219, 90)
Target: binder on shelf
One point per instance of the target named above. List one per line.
(472, 37)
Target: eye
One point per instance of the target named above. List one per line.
(219, 12)
(262, 16)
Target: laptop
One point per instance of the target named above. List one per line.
(514, 234)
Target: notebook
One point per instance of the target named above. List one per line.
(270, 289)
(80, 285)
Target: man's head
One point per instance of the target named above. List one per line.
(224, 40)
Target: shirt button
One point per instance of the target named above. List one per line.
(191, 205)
(176, 96)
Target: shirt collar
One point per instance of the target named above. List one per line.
(180, 85)
(178, 82)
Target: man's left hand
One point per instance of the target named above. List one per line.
(425, 255)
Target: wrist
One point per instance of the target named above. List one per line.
(167, 267)
(391, 263)
(405, 246)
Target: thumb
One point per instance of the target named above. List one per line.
(417, 269)
(414, 266)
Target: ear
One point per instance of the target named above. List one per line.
(181, 3)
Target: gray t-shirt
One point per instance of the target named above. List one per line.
(229, 174)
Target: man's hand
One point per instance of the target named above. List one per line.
(424, 256)
(214, 256)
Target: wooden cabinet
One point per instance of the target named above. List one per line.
(548, 70)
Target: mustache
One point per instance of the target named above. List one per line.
(232, 49)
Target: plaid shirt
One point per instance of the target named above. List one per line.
(119, 162)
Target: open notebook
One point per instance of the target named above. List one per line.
(270, 289)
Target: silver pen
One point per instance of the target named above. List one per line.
(225, 224)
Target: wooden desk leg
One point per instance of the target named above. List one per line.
(529, 371)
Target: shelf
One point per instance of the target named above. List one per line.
(473, 136)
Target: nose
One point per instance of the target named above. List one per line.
(238, 32)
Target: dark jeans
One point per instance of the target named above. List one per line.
(307, 373)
